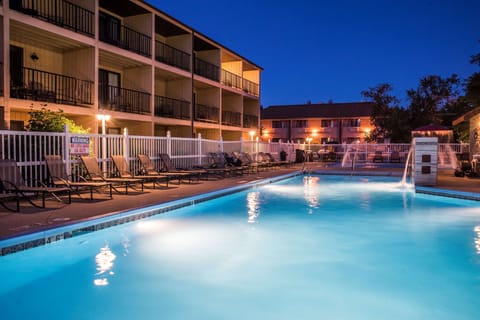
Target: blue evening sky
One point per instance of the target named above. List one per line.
(319, 50)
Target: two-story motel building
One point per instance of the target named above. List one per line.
(317, 123)
(127, 59)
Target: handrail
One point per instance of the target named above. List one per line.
(38, 85)
(171, 108)
(206, 69)
(172, 56)
(124, 100)
(58, 12)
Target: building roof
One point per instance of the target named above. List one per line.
(432, 127)
(319, 110)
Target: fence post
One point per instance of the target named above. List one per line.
(200, 152)
(126, 144)
(66, 149)
(220, 145)
(169, 143)
(241, 144)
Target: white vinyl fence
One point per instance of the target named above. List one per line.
(29, 148)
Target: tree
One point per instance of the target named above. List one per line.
(433, 97)
(46, 120)
(472, 85)
(389, 119)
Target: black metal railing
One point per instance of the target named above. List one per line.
(207, 113)
(207, 69)
(125, 38)
(251, 87)
(124, 100)
(231, 118)
(231, 79)
(172, 56)
(45, 86)
(59, 12)
(171, 108)
(250, 121)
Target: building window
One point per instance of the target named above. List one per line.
(351, 123)
(279, 124)
(17, 125)
(299, 124)
(326, 123)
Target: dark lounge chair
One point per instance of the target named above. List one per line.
(12, 181)
(5, 197)
(148, 167)
(95, 174)
(60, 178)
(123, 170)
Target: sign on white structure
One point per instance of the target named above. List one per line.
(79, 145)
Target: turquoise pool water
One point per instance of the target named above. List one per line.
(321, 247)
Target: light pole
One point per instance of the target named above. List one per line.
(104, 118)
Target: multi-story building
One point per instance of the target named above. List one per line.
(148, 71)
(317, 123)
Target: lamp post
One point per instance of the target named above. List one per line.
(104, 118)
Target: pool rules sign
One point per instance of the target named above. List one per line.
(79, 146)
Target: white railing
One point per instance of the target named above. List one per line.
(29, 148)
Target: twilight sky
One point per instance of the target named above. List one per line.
(321, 50)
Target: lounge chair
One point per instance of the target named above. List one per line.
(123, 170)
(5, 197)
(274, 161)
(11, 181)
(95, 174)
(218, 162)
(149, 169)
(395, 156)
(59, 177)
(378, 156)
(167, 165)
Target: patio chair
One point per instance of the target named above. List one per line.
(395, 157)
(148, 167)
(197, 172)
(59, 177)
(5, 197)
(275, 161)
(12, 181)
(378, 156)
(123, 170)
(95, 174)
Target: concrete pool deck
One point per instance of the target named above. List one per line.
(30, 220)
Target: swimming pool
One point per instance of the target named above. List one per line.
(318, 247)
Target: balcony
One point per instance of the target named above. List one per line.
(58, 12)
(230, 118)
(37, 85)
(172, 108)
(205, 113)
(250, 121)
(231, 79)
(207, 69)
(251, 87)
(123, 100)
(172, 56)
(124, 37)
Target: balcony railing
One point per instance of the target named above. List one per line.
(51, 87)
(250, 121)
(125, 38)
(172, 56)
(207, 69)
(231, 118)
(251, 87)
(172, 108)
(59, 12)
(124, 100)
(206, 113)
(231, 79)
